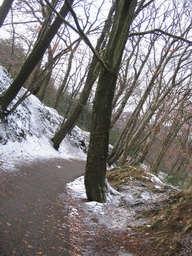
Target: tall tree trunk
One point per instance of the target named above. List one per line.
(35, 56)
(95, 172)
(4, 9)
(93, 73)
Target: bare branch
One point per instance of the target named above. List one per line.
(81, 33)
(159, 31)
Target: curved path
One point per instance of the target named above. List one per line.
(33, 212)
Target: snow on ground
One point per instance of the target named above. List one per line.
(34, 148)
(77, 189)
(26, 134)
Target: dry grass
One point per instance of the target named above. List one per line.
(122, 175)
(173, 224)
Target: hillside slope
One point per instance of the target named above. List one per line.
(25, 134)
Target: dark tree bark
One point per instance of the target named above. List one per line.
(95, 172)
(4, 9)
(30, 63)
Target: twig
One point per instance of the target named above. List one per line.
(80, 32)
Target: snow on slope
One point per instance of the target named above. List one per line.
(25, 134)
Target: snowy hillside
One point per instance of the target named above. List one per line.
(26, 133)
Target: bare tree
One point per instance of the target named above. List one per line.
(155, 71)
(32, 60)
(178, 122)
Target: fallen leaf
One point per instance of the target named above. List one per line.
(6, 231)
(31, 222)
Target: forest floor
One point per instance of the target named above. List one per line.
(147, 218)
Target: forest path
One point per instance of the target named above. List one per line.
(33, 207)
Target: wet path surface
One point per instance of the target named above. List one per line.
(33, 212)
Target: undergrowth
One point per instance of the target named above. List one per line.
(122, 175)
(171, 225)
(184, 181)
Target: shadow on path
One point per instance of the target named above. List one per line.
(33, 207)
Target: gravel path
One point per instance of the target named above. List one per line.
(33, 212)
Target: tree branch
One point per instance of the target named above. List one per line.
(80, 32)
(159, 31)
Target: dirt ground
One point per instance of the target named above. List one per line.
(115, 231)
(88, 237)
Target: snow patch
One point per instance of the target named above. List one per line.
(77, 188)
(26, 134)
(95, 207)
(155, 179)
